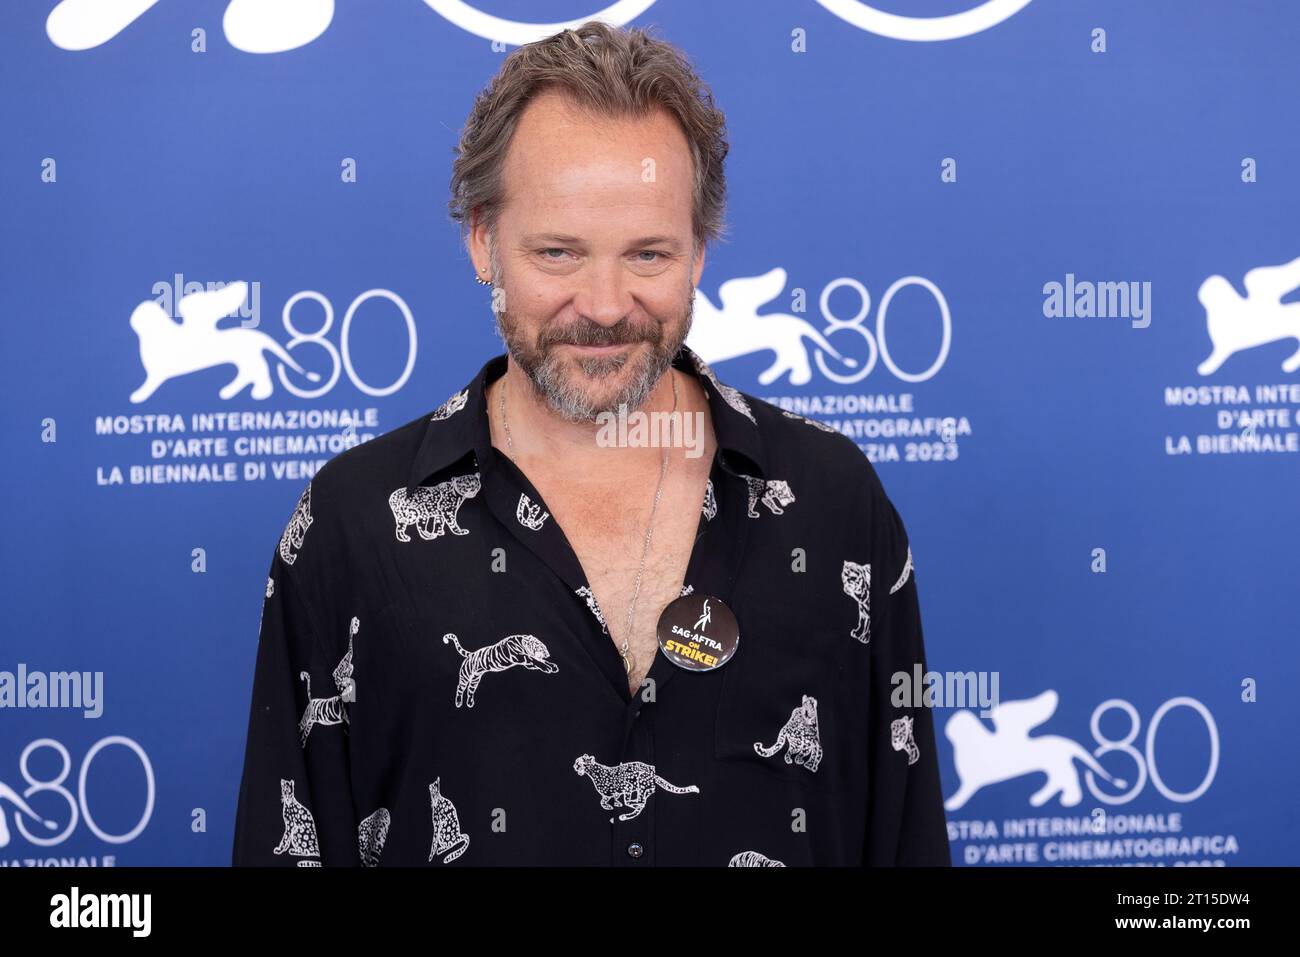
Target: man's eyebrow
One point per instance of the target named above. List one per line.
(562, 239)
(657, 241)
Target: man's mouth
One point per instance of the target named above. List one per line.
(599, 350)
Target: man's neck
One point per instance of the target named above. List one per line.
(543, 438)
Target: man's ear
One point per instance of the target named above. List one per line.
(477, 242)
(699, 266)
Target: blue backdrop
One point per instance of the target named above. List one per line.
(1037, 195)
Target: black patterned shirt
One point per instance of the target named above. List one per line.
(435, 684)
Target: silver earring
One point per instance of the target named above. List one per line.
(483, 282)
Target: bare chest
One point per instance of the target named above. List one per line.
(633, 580)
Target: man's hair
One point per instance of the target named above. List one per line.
(609, 72)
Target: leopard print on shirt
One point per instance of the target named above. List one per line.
(432, 508)
(447, 836)
(800, 734)
(774, 493)
(299, 838)
(371, 835)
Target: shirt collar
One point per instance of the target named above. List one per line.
(460, 425)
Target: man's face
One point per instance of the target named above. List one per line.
(593, 254)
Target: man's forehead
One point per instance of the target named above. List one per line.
(558, 146)
(563, 118)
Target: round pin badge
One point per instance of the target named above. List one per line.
(698, 632)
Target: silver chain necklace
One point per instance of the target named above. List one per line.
(624, 651)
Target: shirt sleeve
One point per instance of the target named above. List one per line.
(905, 814)
(295, 801)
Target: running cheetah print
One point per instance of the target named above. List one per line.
(628, 785)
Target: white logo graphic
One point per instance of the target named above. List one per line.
(983, 757)
(706, 616)
(975, 20)
(1236, 323)
(738, 330)
(77, 802)
(254, 26)
(168, 349)
(274, 26)
(9, 794)
(517, 32)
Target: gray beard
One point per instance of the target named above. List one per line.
(565, 397)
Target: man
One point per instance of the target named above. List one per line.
(501, 635)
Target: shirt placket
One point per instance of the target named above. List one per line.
(712, 569)
(632, 842)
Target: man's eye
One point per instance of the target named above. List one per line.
(649, 252)
(552, 249)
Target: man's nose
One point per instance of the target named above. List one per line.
(604, 296)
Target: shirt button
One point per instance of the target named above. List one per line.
(635, 850)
